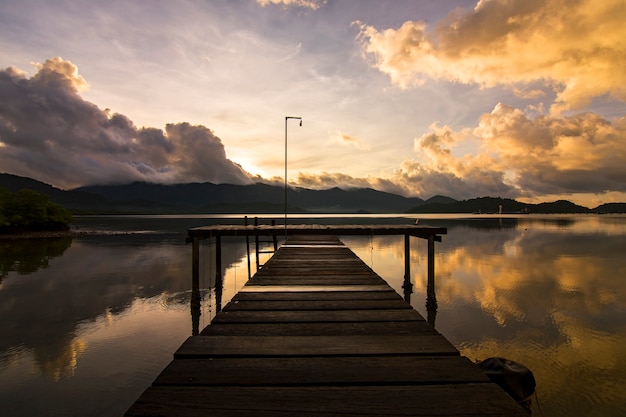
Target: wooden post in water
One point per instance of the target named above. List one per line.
(195, 287)
(256, 243)
(431, 300)
(431, 262)
(195, 262)
(218, 274)
(245, 223)
(274, 236)
(407, 286)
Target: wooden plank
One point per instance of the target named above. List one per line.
(317, 296)
(283, 346)
(312, 371)
(315, 261)
(316, 316)
(305, 270)
(315, 281)
(315, 288)
(327, 250)
(454, 400)
(325, 245)
(236, 305)
(318, 263)
(320, 329)
(326, 279)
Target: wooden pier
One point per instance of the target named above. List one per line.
(316, 332)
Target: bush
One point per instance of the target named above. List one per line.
(28, 210)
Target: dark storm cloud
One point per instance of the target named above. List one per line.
(48, 132)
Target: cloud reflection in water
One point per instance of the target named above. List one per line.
(544, 292)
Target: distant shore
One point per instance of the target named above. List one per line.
(43, 234)
(53, 234)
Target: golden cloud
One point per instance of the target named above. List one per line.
(61, 73)
(581, 153)
(576, 48)
(520, 156)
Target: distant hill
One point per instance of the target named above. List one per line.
(611, 208)
(141, 197)
(146, 198)
(560, 206)
(487, 205)
(208, 197)
(68, 199)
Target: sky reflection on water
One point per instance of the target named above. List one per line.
(549, 294)
(88, 323)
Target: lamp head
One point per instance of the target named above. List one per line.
(300, 122)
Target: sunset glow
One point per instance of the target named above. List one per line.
(462, 98)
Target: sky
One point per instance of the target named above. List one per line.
(522, 99)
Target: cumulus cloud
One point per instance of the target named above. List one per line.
(577, 154)
(48, 131)
(578, 48)
(309, 4)
(521, 156)
(518, 156)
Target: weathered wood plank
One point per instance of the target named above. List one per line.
(293, 260)
(316, 316)
(236, 305)
(317, 296)
(335, 255)
(312, 280)
(455, 400)
(329, 276)
(252, 287)
(312, 371)
(380, 329)
(305, 270)
(211, 346)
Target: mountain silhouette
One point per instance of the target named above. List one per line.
(207, 198)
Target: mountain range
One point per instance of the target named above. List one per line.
(148, 198)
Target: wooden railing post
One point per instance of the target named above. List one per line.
(245, 223)
(256, 242)
(218, 274)
(274, 236)
(431, 261)
(431, 299)
(195, 287)
(407, 286)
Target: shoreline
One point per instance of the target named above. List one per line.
(44, 234)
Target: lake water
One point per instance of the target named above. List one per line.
(87, 323)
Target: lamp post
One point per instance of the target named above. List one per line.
(286, 120)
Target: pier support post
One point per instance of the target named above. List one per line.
(245, 223)
(431, 299)
(218, 274)
(407, 286)
(431, 261)
(195, 262)
(274, 236)
(256, 243)
(195, 287)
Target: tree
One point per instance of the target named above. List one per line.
(28, 210)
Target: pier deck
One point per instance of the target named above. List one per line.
(316, 332)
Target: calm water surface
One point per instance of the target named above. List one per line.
(87, 323)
